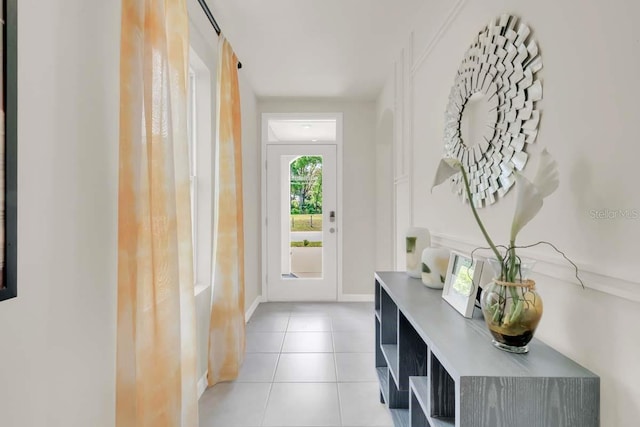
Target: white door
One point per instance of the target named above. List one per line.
(302, 255)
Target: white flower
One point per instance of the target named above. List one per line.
(531, 194)
(446, 169)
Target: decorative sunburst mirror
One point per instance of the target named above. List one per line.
(492, 113)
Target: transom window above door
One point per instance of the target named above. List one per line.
(302, 130)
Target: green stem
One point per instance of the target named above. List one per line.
(511, 272)
(508, 272)
(477, 217)
(516, 307)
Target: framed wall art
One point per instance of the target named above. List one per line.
(9, 151)
(462, 281)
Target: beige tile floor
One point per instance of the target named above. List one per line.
(307, 364)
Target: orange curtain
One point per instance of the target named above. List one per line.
(156, 340)
(227, 327)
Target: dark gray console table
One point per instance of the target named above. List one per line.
(438, 369)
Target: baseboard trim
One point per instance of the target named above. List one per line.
(356, 298)
(202, 384)
(556, 268)
(252, 309)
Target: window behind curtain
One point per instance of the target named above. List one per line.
(191, 129)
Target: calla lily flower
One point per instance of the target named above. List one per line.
(529, 199)
(446, 169)
(531, 194)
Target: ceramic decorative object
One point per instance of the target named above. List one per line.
(512, 310)
(499, 70)
(434, 266)
(417, 239)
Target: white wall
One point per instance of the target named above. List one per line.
(204, 42)
(57, 339)
(385, 117)
(358, 182)
(589, 123)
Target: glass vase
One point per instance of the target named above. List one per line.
(512, 310)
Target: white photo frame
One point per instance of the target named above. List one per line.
(462, 281)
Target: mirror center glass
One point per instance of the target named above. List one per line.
(474, 121)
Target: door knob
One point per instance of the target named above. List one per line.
(332, 230)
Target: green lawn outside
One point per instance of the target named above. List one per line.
(306, 222)
(309, 245)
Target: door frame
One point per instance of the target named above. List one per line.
(263, 185)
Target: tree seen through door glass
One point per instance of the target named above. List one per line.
(306, 193)
(305, 216)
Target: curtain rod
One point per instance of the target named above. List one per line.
(213, 21)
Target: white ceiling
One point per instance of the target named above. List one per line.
(316, 48)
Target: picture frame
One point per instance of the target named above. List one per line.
(462, 281)
(9, 151)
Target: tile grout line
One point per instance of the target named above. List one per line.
(266, 403)
(273, 376)
(335, 367)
